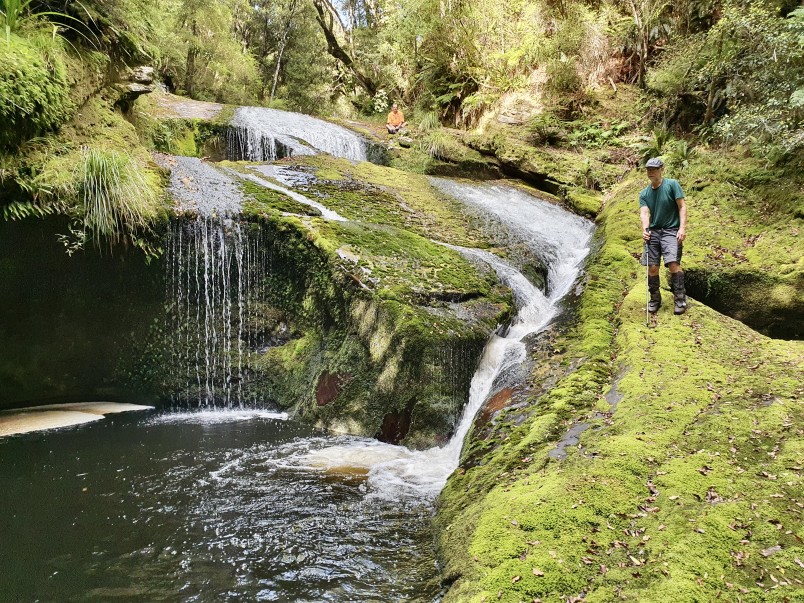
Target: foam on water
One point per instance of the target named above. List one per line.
(215, 416)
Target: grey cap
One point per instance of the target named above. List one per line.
(654, 162)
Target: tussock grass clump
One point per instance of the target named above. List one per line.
(113, 195)
(430, 121)
(440, 145)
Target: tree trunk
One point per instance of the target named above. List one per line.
(276, 72)
(192, 54)
(336, 50)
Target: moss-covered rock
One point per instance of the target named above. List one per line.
(685, 483)
(34, 90)
(390, 324)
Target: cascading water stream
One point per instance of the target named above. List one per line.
(260, 134)
(563, 240)
(225, 288)
(223, 504)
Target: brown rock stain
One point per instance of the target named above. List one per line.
(330, 386)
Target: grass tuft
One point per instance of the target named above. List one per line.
(114, 196)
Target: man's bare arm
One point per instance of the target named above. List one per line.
(644, 216)
(682, 216)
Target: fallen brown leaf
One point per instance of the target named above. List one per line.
(771, 550)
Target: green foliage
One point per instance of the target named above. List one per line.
(115, 200)
(19, 210)
(562, 76)
(653, 145)
(34, 95)
(440, 145)
(11, 14)
(681, 155)
(740, 79)
(594, 135)
(381, 102)
(546, 129)
(429, 122)
(201, 54)
(16, 14)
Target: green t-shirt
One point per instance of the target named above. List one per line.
(662, 203)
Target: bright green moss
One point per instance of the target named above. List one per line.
(259, 199)
(34, 93)
(674, 497)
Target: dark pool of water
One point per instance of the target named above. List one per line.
(149, 508)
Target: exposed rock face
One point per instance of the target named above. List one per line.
(329, 387)
(134, 83)
(395, 426)
(769, 303)
(496, 403)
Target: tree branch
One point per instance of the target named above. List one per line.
(336, 50)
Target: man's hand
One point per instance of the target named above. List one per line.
(646, 235)
(682, 234)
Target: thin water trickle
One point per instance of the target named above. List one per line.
(277, 173)
(215, 270)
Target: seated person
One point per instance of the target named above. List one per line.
(396, 120)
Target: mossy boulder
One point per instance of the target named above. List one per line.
(683, 481)
(370, 325)
(390, 323)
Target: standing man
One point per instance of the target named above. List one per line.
(663, 212)
(396, 120)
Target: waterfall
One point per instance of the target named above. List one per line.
(217, 266)
(563, 240)
(216, 270)
(260, 134)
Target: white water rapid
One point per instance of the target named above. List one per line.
(260, 134)
(563, 241)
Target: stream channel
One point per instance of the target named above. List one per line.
(233, 501)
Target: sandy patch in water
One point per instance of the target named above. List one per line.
(53, 416)
(96, 408)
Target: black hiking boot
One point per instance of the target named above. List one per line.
(655, 296)
(679, 293)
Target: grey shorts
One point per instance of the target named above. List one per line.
(664, 242)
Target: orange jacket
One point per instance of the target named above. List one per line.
(396, 119)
